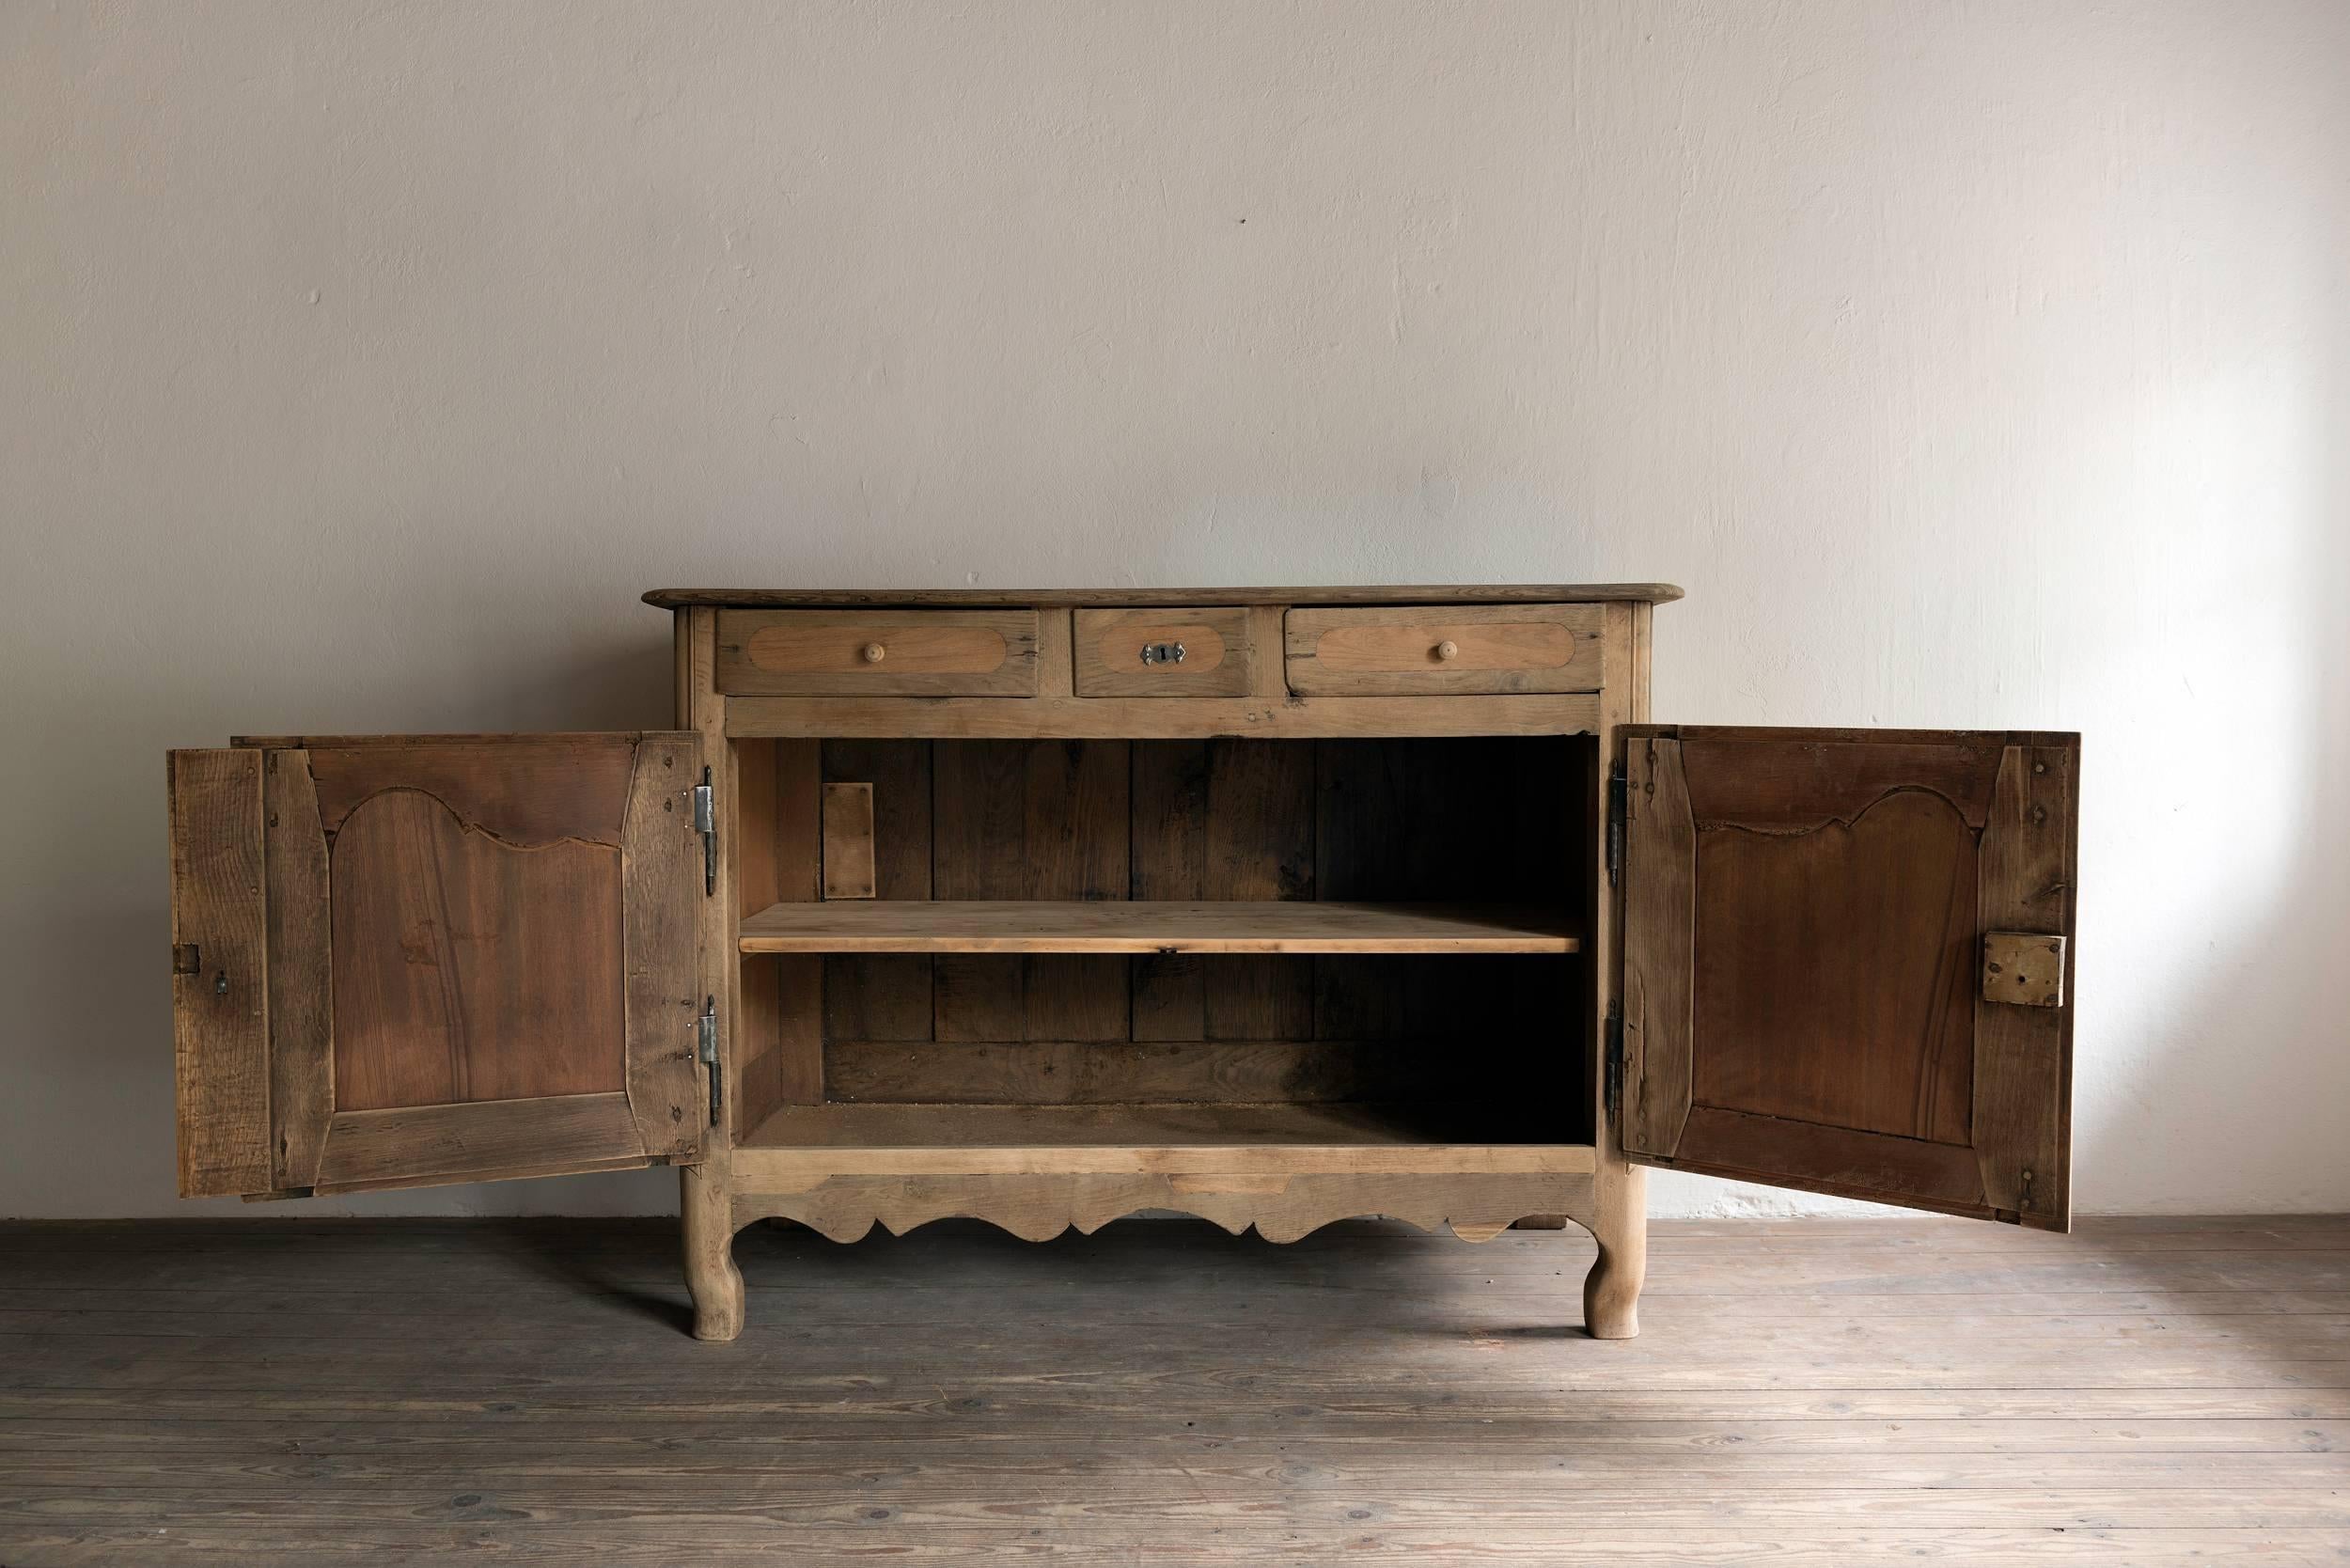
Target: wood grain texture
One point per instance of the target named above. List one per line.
(1796, 781)
(1039, 819)
(1079, 1072)
(1499, 648)
(482, 1141)
(301, 969)
(1810, 1156)
(2147, 1393)
(528, 790)
(1836, 977)
(978, 718)
(885, 997)
(1226, 926)
(219, 1008)
(848, 817)
(935, 652)
(2023, 1087)
(1222, 820)
(1220, 657)
(1440, 593)
(759, 879)
(1475, 1207)
(468, 968)
(779, 849)
(661, 898)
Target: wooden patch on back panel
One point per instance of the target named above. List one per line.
(885, 997)
(848, 840)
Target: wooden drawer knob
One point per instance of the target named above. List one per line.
(1446, 649)
(874, 652)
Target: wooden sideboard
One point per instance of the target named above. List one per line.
(1273, 906)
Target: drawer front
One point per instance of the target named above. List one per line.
(1483, 649)
(1163, 652)
(877, 652)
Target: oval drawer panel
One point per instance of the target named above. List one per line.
(877, 652)
(1163, 652)
(1480, 649)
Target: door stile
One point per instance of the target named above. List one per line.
(1660, 946)
(663, 995)
(2022, 1132)
(301, 971)
(220, 981)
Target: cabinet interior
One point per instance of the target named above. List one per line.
(1045, 1046)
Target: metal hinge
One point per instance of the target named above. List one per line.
(1619, 807)
(706, 823)
(1612, 1085)
(707, 1026)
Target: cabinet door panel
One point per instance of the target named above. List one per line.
(1822, 983)
(468, 957)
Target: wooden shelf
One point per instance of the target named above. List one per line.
(801, 1142)
(977, 926)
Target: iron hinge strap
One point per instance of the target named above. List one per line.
(1619, 807)
(707, 1027)
(1612, 1089)
(706, 823)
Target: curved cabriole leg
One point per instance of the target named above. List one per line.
(716, 1284)
(1611, 1292)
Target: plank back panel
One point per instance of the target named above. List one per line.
(1395, 820)
(1408, 820)
(779, 1034)
(885, 997)
(1031, 819)
(1227, 818)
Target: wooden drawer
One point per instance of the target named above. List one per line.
(1217, 656)
(877, 652)
(1487, 649)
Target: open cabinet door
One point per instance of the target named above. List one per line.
(407, 959)
(1848, 963)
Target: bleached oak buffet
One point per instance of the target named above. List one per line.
(1275, 906)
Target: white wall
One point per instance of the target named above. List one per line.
(1969, 364)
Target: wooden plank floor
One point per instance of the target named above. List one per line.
(265, 1393)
